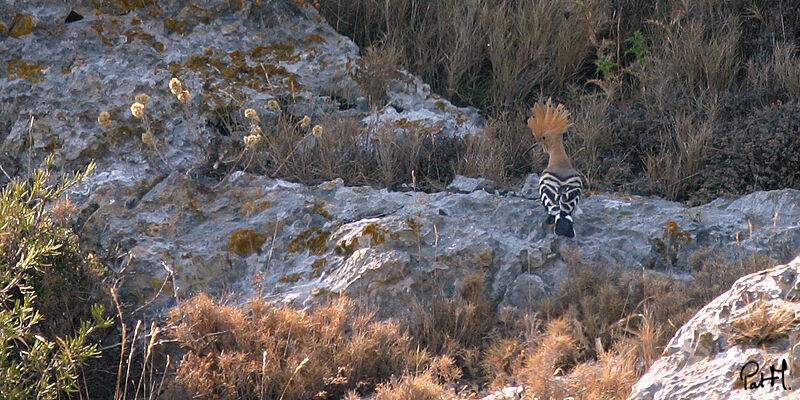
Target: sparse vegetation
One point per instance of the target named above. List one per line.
(673, 98)
(591, 339)
(656, 88)
(51, 302)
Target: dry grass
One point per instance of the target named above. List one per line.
(765, 321)
(375, 72)
(647, 115)
(422, 387)
(257, 351)
(456, 326)
(592, 339)
(500, 152)
(674, 167)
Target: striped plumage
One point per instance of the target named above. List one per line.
(560, 184)
(559, 196)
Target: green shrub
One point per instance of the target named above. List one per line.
(42, 346)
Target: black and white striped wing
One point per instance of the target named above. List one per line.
(549, 186)
(571, 191)
(559, 194)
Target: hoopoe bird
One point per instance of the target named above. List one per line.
(560, 184)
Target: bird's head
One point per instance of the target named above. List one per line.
(548, 123)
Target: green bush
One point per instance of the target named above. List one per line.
(41, 345)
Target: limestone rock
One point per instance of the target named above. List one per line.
(757, 321)
(463, 184)
(229, 57)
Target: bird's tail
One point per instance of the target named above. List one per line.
(547, 118)
(564, 225)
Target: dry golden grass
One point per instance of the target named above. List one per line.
(648, 108)
(455, 326)
(592, 339)
(765, 321)
(260, 351)
(418, 387)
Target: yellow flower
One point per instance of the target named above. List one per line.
(183, 96)
(273, 104)
(142, 98)
(317, 130)
(251, 140)
(137, 109)
(104, 118)
(305, 122)
(147, 138)
(251, 114)
(175, 86)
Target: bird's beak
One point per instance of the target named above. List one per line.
(531, 148)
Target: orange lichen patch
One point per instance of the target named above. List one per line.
(208, 64)
(282, 52)
(139, 33)
(236, 72)
(238, 58)
(97, 27)
(291, 278)
(674, 235)
(377, 232)
(3, 28)
(345, 248)
(246, 241)
(316, 38)
(174, 26)
(317, 266)
(18, 69)
(127, 5)
(318, 208)
(136, 21)
(159, 46)
(254, 207)
(414, 225)
(313, 239)
(236, 5)
(52, 146)
(21, 25)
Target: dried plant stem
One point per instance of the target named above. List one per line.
(291, 153)
(153, 142)
(296, 370)
(233, 168)
(117, 394)
(130, 355)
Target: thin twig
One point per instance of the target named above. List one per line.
(5, 173)
(115, 298)
(130, 354)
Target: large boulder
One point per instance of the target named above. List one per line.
(735, 345)
(56, 76)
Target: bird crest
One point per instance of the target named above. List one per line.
(548, 119)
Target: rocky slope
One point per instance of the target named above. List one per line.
(177, 235)
(284, 240)
(298, 243)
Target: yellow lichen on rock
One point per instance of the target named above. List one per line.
(246, 241)
(18, 69)
(313, 239)
(21, 25)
